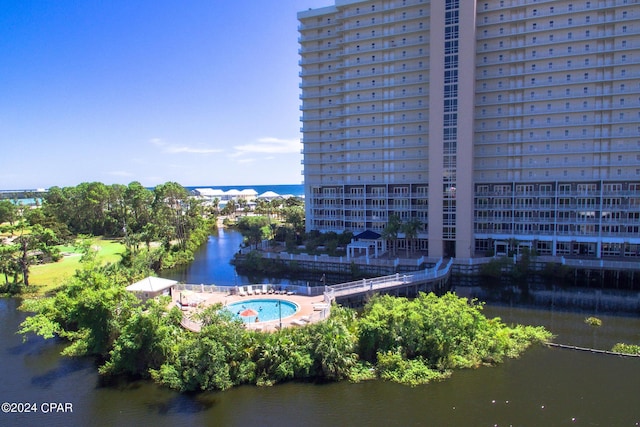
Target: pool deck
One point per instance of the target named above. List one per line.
(310, 309)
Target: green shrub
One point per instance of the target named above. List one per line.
(626, 348)
(593, 321)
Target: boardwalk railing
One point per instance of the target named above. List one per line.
(341, 289)
(361, 260)
(579, 263)
(330, 292)
(385, 282)
(310, 291)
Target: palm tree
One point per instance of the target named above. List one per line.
(276, 205)
(215, 204)
(390, 232)
(230, 208)
(262, 208)
(243, 205)
(410, 229)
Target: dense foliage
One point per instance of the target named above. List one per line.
(27, 238)
(626, 348)
(255, 229)
(408, 341)
(160, 228)
(428, 336)
(89, 311)
(140, 215)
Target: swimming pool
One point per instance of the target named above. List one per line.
(265, 309)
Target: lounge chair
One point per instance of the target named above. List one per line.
(242, 292)
(298, 322)
(305, 319)
(264, 290)
(249, 290)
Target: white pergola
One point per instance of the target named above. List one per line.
(365, 241)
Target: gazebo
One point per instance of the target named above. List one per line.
(366, 241)
(152, 287)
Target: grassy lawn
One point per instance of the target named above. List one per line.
(47, 277)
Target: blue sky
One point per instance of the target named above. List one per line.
(201, 92)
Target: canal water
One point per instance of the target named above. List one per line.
(545, 387)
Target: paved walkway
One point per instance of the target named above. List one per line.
(310, 309)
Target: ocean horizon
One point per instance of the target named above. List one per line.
(296, 190)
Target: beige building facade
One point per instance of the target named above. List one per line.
(496, 125)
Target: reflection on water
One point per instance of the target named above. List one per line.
(211, 262)
(545, 387)
(538, 293)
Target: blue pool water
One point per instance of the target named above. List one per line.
(267, 309)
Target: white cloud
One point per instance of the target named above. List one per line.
(178, 149)
(192, 150)
(269, 145)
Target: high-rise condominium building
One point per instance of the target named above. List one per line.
(493, 124)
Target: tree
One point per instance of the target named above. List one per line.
(295, 216)
(170, 207)
(230, 208)
(254, 229)
(9, 266)
(46, 220)
(391, 230)
(8, 212)
(443, 333)
(215, 206)
(219, 357)
(334, 345)
(293, 201)
(243, 205)
(32, 243)
(410, 230)
(262, 207)
(138, 201)
(275, 206)
(284, 355)
(89, 311)
(145, 340)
